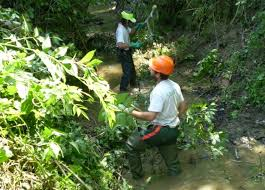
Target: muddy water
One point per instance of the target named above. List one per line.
(110, 70)
(226, 173)
(241, 168)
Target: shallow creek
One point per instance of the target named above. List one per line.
(241, 168)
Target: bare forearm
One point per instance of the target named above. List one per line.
(148, 116)
(182, 109)
(133, 31)
(123, 45)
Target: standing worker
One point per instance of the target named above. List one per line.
(166, 104)
(124, 49)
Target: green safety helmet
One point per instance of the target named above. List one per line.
(128, 16)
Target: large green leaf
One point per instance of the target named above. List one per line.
(27, 104)
(87, 57)
(22, 90)
(46, 44)
(56, 71)
(56, 149)
(75, 145)
(26, 26)
(74, 69)
(36, 32)
(49, 64)
(94, 63)
(46, 133)
(11, 90)
(61, 51)
(3, 156)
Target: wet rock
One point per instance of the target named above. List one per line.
(262, 140)
(247, 140)
(260, 122)
(224, 83)
(259, 177)
(242, 188)
(237, 156)
(192, 161)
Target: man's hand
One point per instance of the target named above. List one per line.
(140, 26)
(124, 109)
(182, 109)
(136, 45)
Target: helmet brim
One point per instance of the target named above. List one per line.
(128, 16)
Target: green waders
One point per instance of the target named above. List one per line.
(162, 137)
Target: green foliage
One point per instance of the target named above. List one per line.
(66, 17)
(124, 123)
(41, 147)
(256, 88)
(180, 49)
(198, 130)
(255, 43)
(143, 72)
(203, 12)
(245, 70)
(208, 66)
(113, 138)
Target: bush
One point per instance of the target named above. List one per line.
(198, 130)
(208, 66)
(246, 69)
(41, 147)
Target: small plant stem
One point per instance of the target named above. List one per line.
(14, 46)
(260, 164)
(215, 32)
(60, 168)
(232, 21)
(75, 175)
(236, 154)
(138, 109)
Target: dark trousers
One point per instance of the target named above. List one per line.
(128, 69)
(164, 138)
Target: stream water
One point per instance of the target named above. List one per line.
(241, 168)
(226, 173)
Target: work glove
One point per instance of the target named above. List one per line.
(124, 109)
(140, 26)
(136, 45)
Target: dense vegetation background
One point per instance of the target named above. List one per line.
(50, 93)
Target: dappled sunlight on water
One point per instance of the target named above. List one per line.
(259, 149)
(215, 187)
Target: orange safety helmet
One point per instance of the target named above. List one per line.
(162, 64)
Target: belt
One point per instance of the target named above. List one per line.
(123, 50)
(156, 130)
(155, 126)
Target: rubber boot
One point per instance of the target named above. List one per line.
(135, 146)
(170, 156)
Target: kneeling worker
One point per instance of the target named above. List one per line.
(166, 104)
